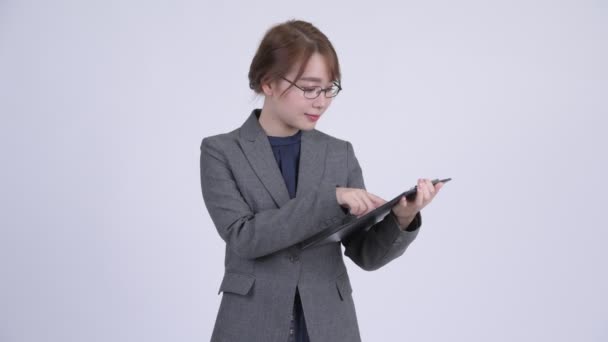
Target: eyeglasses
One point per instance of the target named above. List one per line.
(315, 91)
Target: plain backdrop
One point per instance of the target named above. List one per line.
(104, 235)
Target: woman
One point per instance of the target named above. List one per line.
(275, 181)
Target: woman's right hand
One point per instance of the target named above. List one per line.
(358, 201)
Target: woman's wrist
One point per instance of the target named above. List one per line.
(404, 221)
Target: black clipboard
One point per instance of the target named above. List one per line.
(353, 224)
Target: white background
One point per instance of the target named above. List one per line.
(104, 235)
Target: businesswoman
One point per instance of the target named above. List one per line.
(275, 181)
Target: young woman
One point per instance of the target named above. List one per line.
(275, 181)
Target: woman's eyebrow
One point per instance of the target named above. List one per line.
(315, 79)
(312, 79)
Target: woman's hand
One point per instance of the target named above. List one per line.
(406, 211)
(359, 201)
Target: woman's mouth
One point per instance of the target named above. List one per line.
(312, 117)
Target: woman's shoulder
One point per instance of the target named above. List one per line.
(221, 138)
(330, 139)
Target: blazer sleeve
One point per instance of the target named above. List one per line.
(384, 241)
(255, 234)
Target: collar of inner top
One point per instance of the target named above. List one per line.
(292, 139)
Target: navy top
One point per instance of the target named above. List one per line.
(287, 153)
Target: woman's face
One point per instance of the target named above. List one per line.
(292, 111)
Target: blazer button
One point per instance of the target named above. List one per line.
(293, 258)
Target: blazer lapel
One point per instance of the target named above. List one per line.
(257, 149)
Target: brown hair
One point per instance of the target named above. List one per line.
(286, 44)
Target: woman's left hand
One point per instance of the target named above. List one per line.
(406, 211)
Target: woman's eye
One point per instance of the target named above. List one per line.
(309, 89)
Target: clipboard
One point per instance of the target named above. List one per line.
(353, 224)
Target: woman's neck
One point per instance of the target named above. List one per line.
(273, 126)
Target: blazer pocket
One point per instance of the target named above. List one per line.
(343, 285)
(238, 283)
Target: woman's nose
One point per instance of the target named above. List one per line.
(321, 101)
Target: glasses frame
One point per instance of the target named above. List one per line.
(318, 89)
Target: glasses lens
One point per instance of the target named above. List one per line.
(311, 93)
(333, 91)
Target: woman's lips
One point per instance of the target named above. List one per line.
(312, 117)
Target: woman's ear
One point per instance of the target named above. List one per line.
(267, 87)
(271, 87)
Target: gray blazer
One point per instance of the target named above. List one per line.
(249, 204)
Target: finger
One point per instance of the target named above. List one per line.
(378, 201)
(358, 205)
(419, 194)
(438, 187)
(430, 189)
(403, 202)
(426, 190)
(400, 206)
(369, 204)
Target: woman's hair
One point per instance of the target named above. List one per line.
(285, 45)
